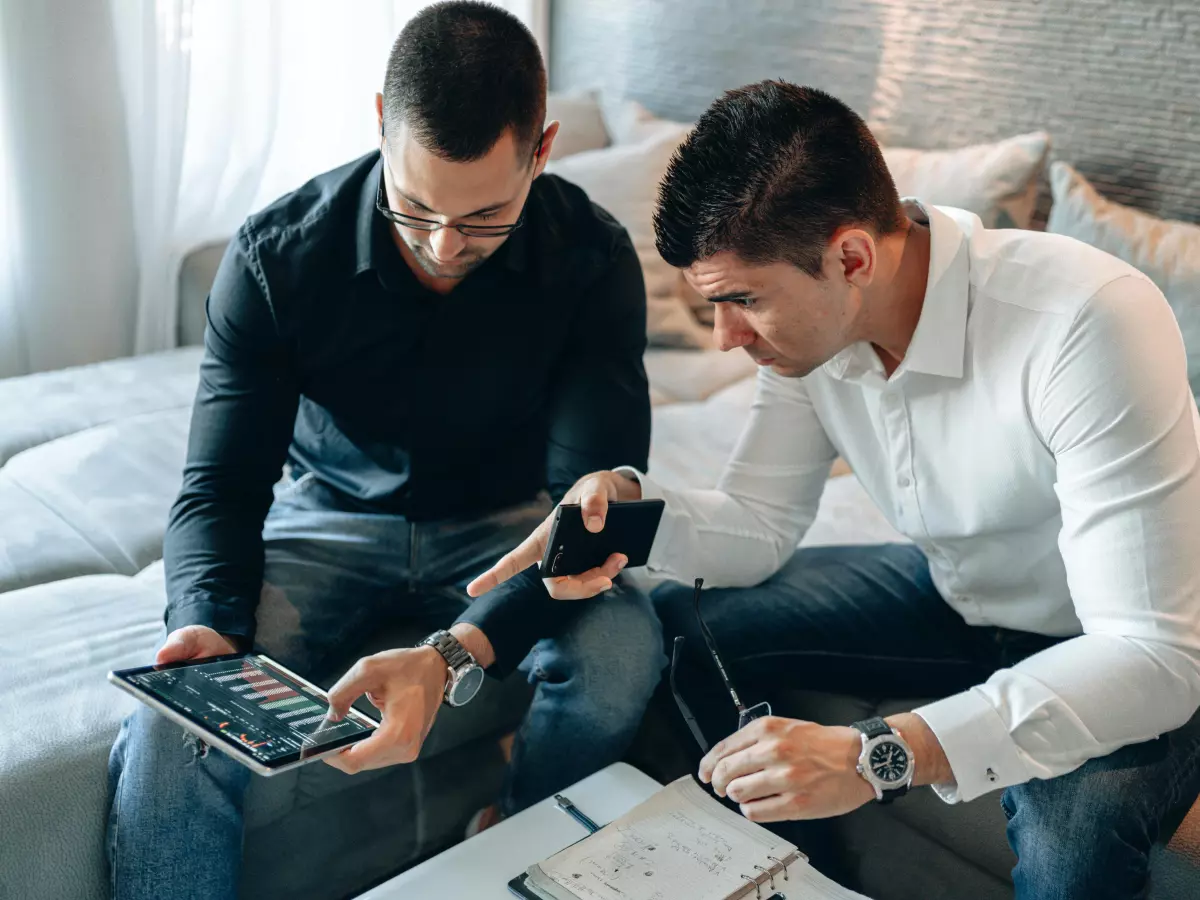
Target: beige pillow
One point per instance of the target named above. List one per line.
(623, 179)
(581, 123)
(998, 182)
(1167, 252)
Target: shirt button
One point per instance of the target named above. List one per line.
(904, 481)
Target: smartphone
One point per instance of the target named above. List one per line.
(629, 529)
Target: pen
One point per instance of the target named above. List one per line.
(573, 811)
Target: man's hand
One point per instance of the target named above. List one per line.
(593, 493)
(778, 769)
(407, 687)
(193, 642)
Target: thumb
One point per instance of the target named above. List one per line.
(593, 504)
(179, 645)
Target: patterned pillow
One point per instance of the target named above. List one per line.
(1166, 251)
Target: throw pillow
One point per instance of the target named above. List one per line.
(580, 122)
(1167, 252)
(624, 179)
(998, 182)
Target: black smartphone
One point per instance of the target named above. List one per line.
(629, 529)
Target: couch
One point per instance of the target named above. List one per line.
(90, 460)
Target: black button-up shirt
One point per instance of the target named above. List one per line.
(323, 350)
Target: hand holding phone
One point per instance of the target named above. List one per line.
(592, 496)
(629, 530)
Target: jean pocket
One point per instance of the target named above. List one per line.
(1006, 805)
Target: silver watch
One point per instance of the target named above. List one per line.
(886, 761)
(466, 677)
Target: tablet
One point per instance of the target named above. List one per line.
(249, 706)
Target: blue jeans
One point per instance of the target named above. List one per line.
(867, 621)
(333, 575)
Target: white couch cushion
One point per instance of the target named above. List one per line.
(57, 642)
(39, 408)
(92, 502)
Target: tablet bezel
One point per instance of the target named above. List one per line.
(228, 745)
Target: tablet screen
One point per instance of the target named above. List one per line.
(252, 704)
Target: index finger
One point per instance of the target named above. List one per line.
(349, 688)
(517, 560)
(737, 741)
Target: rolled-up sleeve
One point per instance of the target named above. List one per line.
(1116, 411)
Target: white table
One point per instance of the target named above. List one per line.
(481, 867)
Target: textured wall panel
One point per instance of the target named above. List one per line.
(1115, 82)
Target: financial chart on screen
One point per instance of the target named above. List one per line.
(253, 704)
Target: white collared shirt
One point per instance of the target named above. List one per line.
(1040, 444)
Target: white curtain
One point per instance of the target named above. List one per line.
(67, 258)
(235, 103)
(133, 132)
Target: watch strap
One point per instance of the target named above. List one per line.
(455, 654)
(873, 727)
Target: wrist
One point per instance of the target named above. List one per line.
(627, 488)
(932, 767)
(475, 642)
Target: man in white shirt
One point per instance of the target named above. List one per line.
(1017, 405)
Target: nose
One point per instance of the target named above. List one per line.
(446, 243)
(730, 330)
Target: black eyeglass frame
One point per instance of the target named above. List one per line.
(416, 223)
(746, 715)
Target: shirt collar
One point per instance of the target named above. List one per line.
(939, 343)
(375, 250)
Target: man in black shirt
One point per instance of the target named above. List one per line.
(430, 340)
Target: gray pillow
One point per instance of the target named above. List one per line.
(1166, 251)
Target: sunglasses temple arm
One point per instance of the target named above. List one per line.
(684, 709)
(712, 649)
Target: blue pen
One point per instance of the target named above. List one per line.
(573, 811)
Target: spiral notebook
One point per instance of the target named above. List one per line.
(681, 843)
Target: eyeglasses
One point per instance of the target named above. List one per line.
(746, 715)
(429, 225)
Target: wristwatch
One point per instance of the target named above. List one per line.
(466, 677)
(886, 761)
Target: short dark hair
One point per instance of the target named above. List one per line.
(461, 74)
(771, 172)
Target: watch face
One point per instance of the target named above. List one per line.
(467, 686)
(889, 761)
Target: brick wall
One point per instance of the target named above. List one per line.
(1115, 82)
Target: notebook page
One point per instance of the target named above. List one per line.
(679, 843)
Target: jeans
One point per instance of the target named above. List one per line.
(333, 575)
(867, 621)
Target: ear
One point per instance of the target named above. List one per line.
(379, 113)
(543, 157)
(854, 256)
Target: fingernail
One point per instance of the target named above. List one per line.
(595, 523)
(622, 563)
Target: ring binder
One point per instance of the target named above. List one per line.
(757, 886)
(782, 865)
(769, 874)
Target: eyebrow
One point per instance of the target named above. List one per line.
(735, 296)
(479, 212)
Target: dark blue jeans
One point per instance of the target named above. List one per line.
(334, 575)
(867, 621)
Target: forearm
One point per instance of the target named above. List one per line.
(1079, 700)
(729, 539)
(511, 618)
